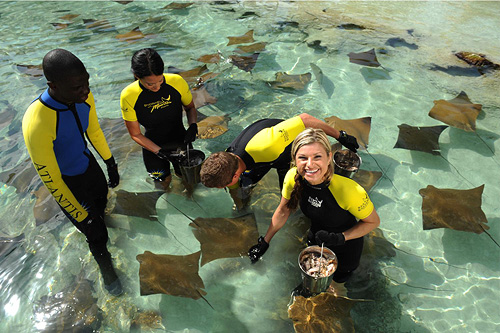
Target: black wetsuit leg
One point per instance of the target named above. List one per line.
(91, 189)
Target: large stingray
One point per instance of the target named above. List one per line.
(22, 177)
(453, 209)
(246, 38)
(191, 75)
(359, 128)
(368, 58)
(322, 313)
(213, 126)
(73, 309)
(59, 26)
(170, 275)
(459, 112)
(297, 82)
(225, 237)
(257, 47)
(45, 206)
(367, 179)
(69, 17)
(213, 58)
(30, 70)
(98, 25)
(201, 97)
(243, 62)
(178, 5)
(132, 36)
(424, 139)
(323, 80)
(116, 133)
(137, 204)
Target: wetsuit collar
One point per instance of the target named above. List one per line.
(321, 186)
(52, 103)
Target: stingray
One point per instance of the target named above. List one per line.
(191, 75)
(351, 26)
(117, 134)
(73, 309)
(59, 26)
(359, 128)
(322, 313)
(296, 82)
(246, 38)
(323, 80)
(225, 237)
(368, 58)
(137, 204)
(30, 70)
(212, 127)
(459, 112)
(132, 36)
(201, 97)
(367, 179)
(453, 209)
(210, 58)
(22, 177)
(257, 47)
(98, 25)
(397, 42)
(69, 17)
(243, 62)
(45, 206)
(170, 275)
(178, 5)
(316, 46)
(425, 139)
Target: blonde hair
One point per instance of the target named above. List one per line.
(307, 137)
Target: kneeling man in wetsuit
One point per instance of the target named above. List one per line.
(260, 147)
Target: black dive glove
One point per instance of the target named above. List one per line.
(163, 154)
(191, 133)
(258, 250)
(348, 141)
(114, 176)
(329, 238)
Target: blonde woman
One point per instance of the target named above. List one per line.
(340, 210)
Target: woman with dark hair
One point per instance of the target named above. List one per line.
(340, 210)
(156, 101)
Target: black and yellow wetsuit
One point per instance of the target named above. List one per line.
(161, 115)
(54, 134)
(333, 206)
(264, 145)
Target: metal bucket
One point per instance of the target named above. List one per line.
(346, 162)
(191, 165)
(313, 283)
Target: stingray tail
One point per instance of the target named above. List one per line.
(383, 172)
(491, 150)
(456, 170)
(205, 299)
(489, 235)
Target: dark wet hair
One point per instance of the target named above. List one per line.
(59, 64)
(146, 62)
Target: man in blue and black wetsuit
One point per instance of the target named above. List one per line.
(260, 147)
(55, 126)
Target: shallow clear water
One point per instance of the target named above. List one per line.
(436, 280)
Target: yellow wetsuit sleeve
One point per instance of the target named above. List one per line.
(351, 196)
(128, 97)
(94, 132)
(39, 126)
(289, 183)
(268, 144)
(181, 86)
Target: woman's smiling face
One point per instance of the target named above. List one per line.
(312, 162)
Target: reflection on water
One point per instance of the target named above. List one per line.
(264, 59)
